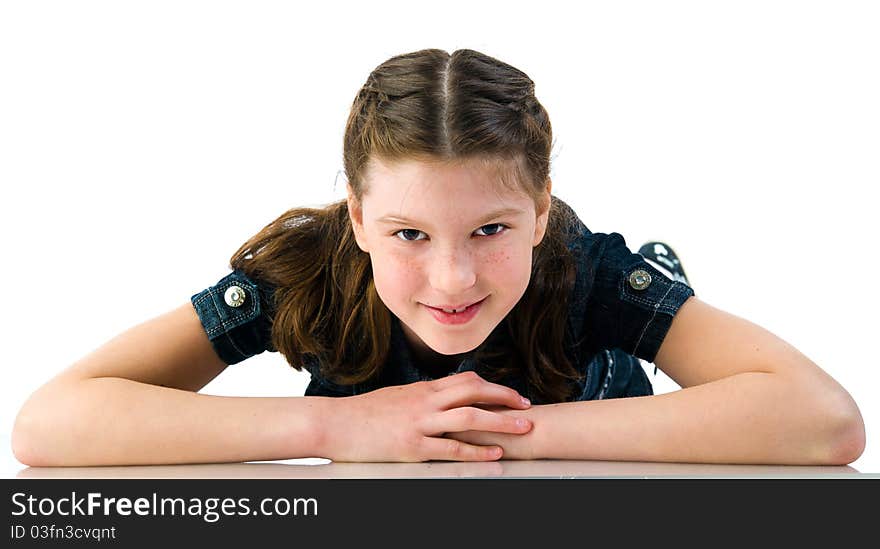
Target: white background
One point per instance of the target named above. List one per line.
(142, 142)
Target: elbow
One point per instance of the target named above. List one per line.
(845, 438)
(42, 426)
(32, 440)
(849, 444)
(25, 446)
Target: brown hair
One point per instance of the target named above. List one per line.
(432, 106)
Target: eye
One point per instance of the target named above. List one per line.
(404, 231)
(501, 228)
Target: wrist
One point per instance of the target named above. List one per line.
(550, 437)
(328, 419)
(538, 442)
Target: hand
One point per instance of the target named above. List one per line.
(514, 446)
(407, 422)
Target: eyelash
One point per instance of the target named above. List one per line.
(505, 228)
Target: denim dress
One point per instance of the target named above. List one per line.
(620, 309)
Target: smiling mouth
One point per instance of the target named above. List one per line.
(456, 310)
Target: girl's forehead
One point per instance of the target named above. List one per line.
(408, 167)
(432, 210)
(472, 177)
(427, 194)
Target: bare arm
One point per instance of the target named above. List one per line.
(114, 421)
(751, 417)
(748, 397)
(133, 401)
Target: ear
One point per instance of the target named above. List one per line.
(543, 215)
(355, 215)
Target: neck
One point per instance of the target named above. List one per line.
(426, 358)
(432, 360)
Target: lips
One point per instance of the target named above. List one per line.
(457, 319)
(455, 307)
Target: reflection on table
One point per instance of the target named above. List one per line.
(322, 468)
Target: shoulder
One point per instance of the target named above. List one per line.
(585, 245)
(235, 313)
(619, 300)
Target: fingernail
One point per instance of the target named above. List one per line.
(521, 422)
(525, 401)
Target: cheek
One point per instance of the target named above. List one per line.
(395, 272)
(510, 257)
(509, 266)
(502, 259)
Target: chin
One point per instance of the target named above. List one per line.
(454, 347)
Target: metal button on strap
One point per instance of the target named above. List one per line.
(234, 296)
(639, 279)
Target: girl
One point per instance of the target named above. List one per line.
(448, 286)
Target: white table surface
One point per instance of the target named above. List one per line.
(323, 468)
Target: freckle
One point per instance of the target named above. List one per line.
(498, 257)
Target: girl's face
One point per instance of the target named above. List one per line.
(449, 244)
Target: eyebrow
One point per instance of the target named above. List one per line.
(497, 213)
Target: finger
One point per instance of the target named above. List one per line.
(468, 376)
(479, 390)
(468, 418)
(455, 450)
(455, 379)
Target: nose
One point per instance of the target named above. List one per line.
(452, 273)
